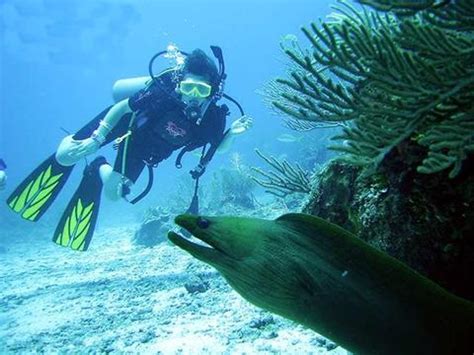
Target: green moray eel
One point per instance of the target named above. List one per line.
(320, 275)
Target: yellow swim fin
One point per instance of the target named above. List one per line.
(77, 224)
(37, 192)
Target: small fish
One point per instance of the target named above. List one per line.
(288, 138)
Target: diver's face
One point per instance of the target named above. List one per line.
(194, 89)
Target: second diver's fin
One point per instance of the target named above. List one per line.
(77, 224)
(37, 192)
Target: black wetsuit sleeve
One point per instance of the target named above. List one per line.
(217, 132)
(219, 129)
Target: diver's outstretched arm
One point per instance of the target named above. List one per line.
(237, 127)
(71, 150)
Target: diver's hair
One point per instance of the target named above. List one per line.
(198, 63)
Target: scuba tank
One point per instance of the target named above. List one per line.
(124, 88)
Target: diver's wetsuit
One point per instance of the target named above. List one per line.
(160, 127)
(3, 166)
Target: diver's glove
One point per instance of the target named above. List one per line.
(241, 125)
(197, 172)
(84, 147)
(3, 179)
(92, 144)
(70, 150)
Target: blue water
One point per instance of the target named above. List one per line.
(59, 60)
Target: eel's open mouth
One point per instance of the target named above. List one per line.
(204, 253)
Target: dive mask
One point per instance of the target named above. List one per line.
(195, 88)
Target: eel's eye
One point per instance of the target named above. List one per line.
(203, 223)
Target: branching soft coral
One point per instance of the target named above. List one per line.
(286, 178)
(388, 77)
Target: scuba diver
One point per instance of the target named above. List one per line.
(3, 174)
(176, 109)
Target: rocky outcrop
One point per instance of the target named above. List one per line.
(427, 221)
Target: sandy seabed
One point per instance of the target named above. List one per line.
(120, 298)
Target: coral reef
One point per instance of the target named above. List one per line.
(230, 190)
(403, 7)
(333, 194)
(287, 179)
(399, 80)
(179, 198)
(155, 225)
(427, 221)
(389, 78)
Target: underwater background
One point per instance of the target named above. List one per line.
(362, 115)
(59, 61)
(67, 56)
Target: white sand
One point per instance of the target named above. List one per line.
(122, 299)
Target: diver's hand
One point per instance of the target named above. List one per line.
(82, 148)
(197, 172)
(71, 150)
(241, 125)
(3, 179)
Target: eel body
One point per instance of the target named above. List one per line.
(320, 275)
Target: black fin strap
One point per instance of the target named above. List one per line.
(148, 186)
